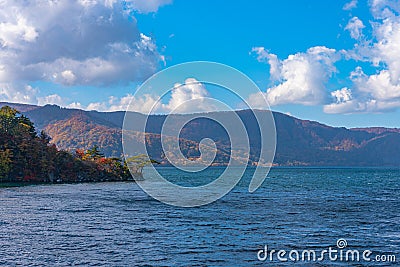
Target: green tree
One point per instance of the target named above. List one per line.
(5, 164)
(137, 163)
(8, 119)
(94, 153)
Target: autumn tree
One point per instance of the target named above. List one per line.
(26, 156)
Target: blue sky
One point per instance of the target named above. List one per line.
(335, 61)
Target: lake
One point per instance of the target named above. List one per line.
(117, 224)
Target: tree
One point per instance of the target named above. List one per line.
(80, 154)
(137, 163)
(8, 119)
(44, 137)
(26, 156)
(5, 164)
(94, 153)
(27, 125)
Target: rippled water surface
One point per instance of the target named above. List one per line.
(116, 224)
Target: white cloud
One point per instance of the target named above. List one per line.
(350, 5)
(257, 100)
(68, 76)
(75, 105)
(146, 6)
(25, 94)
(376, 93)
(342, 95)
(344, 102)
(262, 53)
(183, 94)
(97, 106)
(13, 32)
(385, 85)
(303, 76)
(145, 104)
(380, 91)
(378, 86)
(357, 106)
(382, 9)
(180, 101)
(264, 56)
(85, 42)
(51, 99)
(355, 27)
(387, 49)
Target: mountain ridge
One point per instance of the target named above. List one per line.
(299, 142)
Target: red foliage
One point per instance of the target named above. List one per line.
(80, 153)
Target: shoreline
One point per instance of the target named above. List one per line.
(24, 184)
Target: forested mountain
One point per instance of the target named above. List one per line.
(300, 142)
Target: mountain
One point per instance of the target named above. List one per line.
(19, 107)
(299, 142)
(377, 130)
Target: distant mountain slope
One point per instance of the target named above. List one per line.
(20, 107)
(377, 130)
(80, 131)
(299, 142)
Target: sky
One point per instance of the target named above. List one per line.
(336, 62)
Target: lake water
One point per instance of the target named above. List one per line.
(117, 224)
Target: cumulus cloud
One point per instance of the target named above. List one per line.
(75, 105)
(342, 95)
(12, 33)
(144, 104)
(377, 92)
(350, 5)
(264, 56)
(378, 86)
(180, 101)
(358, 106)
(51, 99)
(387, 49)
(25, 94)
(146, 6)
(343, 102)
(302, 77)
(382, 9)
(74, 42)
(182, 94)
(355, 27)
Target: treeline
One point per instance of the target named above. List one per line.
(28, 156)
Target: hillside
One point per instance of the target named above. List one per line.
(26, 156)
(19, 107)
(299, 142)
